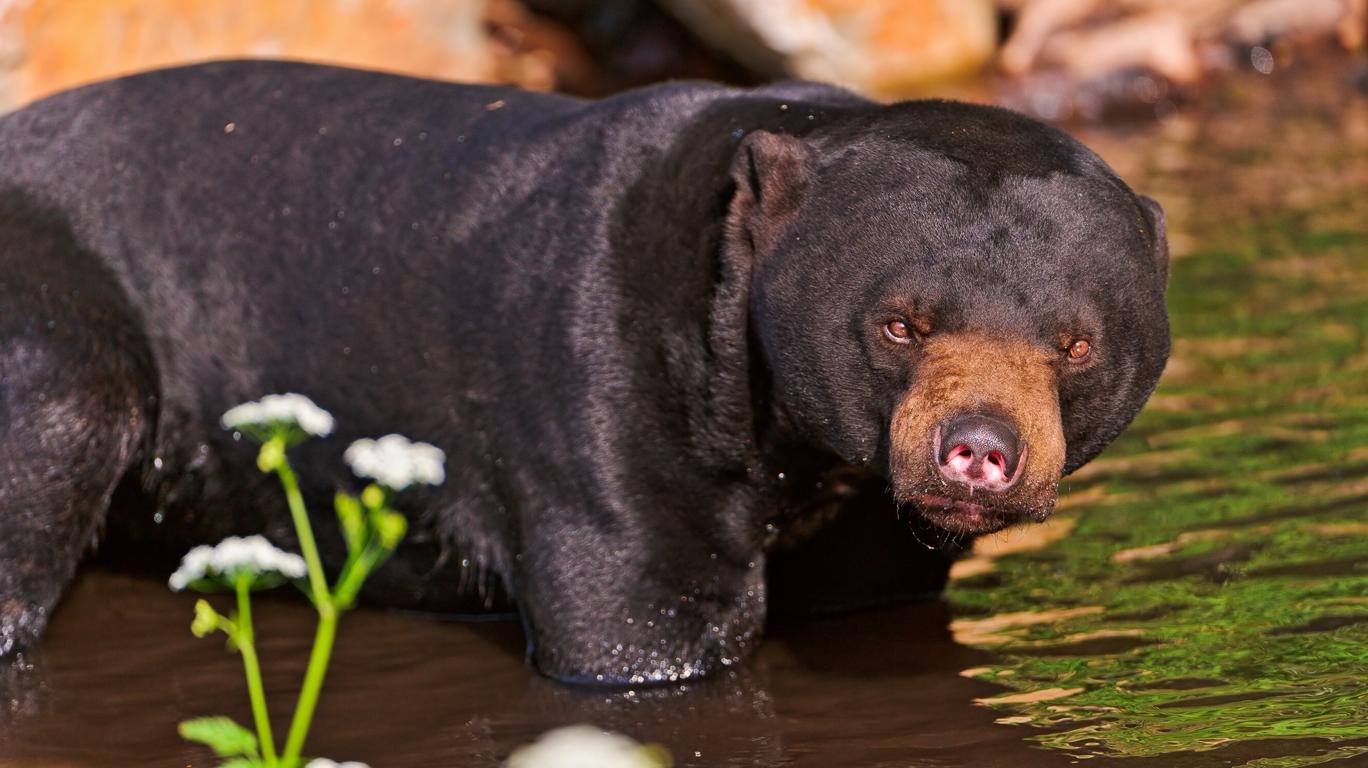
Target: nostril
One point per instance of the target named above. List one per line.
(960, 459)
(994, 468)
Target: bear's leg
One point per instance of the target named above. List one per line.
(618, 605)
(70, 416)
(865, 555)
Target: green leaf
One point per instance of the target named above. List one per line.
(221, 734)
(353, 522)
(242, 762)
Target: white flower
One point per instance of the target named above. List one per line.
(395, 462)
(234, 555)
(582, 746)
(323, 762)
(289, 409)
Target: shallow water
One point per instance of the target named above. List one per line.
(1200, 600)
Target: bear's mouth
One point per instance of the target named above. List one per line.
(963, 517)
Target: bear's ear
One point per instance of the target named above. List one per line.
(771, 173)
(1158, 232)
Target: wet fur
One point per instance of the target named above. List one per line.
(640, 328)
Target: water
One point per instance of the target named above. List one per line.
(1201, 599)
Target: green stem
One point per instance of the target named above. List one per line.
(246, 643)
(349, 583)
(327, 620)
(317, 584)
(313, 682)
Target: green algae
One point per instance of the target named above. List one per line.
(1214, 590)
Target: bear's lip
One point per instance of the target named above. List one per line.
(965, 517)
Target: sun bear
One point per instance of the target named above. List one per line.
(660, 337)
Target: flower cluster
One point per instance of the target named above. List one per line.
(234, 556)
(371, 528)
(584, 746)
(289, 410)
(396, 462)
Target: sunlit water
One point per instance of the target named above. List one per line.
(1200, 600)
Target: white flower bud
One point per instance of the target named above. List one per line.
(396, 462)
(582, 746)
(233, 556)
(287, 410)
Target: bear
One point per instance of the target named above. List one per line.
(692, 351)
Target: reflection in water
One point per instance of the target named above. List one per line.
(1201, 601)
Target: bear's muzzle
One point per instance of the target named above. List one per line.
(977, 443)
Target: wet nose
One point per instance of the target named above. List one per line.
(979, 451)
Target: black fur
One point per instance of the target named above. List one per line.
(634, 325)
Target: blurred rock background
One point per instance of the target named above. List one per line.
(1057, 59)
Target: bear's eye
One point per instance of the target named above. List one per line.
(1079, 349)
(898, 331)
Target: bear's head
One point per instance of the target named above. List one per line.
(961, 297)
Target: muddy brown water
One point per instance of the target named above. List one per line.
(119, 669)
(1200, 600)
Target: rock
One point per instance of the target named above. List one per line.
(1176, 39)
(51, 45)
(1255, 23)
(883, 48)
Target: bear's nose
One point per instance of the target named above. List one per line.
(979, 451)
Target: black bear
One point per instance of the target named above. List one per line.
(660, 336)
